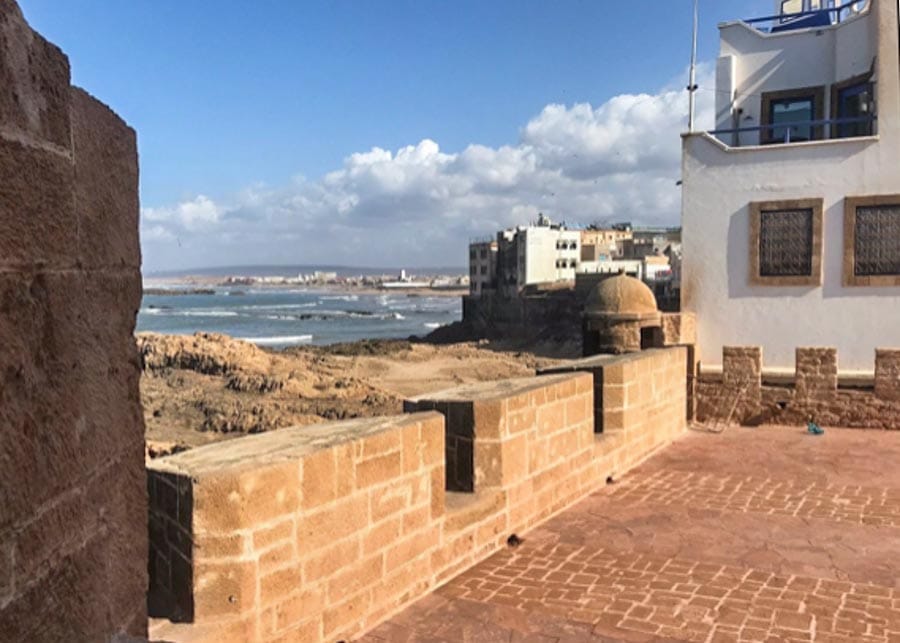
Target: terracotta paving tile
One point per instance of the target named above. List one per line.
(704, 542)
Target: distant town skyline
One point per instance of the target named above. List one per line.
(386, 134)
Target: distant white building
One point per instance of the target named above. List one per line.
(791, 208)
(651, 268)
(540, 253)
(547, 254)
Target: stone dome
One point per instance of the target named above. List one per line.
(621, 295)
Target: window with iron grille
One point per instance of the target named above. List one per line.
(786, 243)
(877, 240)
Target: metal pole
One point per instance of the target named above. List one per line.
(692, 86)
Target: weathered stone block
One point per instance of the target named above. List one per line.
(275, 585)
(229, 500)
(332, 523)
(37, 207)
(231, 545)
(299, 607)
(318, 479)
(741, 364)
(742, 379)
(887, 373)
(326, 562)
(389, 501)
(35, 75)
(224, 589)
(355, 576)
(55, 605)
(378, 470)
(816, 372)
(106, 185)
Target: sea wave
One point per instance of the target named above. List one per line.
(174, 312)
(433, 324)
(278, 340)
(311, 304)
(202, 313)
(339, 297)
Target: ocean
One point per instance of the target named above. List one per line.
(288, 316)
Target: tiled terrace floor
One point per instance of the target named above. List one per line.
(765, 534)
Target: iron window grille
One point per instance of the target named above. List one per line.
(877, 240)
(786, 243)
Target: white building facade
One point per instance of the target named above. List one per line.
(791, 209)
(547, 254)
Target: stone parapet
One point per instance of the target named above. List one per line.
(742, 381)
(307, 533)
(815, 390)
(816, 372)
(532, 437)
(320, 533)
(887, 373)
(630, 388)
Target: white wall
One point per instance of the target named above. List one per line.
(541, 254)
(633, 267)
(718, 184)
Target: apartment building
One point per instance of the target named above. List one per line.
(791, 207)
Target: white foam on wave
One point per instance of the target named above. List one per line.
(433, 324)
(278, 306)
(203, 313)
(339, 297)
(278, 340)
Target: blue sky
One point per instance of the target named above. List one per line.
(268, 130)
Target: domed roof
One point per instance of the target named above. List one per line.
(621, 295)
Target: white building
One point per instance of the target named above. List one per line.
(652, 268)
(547, 254)
(540, 253)
(791, 209)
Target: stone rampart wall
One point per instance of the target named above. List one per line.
(73, 506)
(744, 394)
(640, 399)
(320, 533)
(554, 314)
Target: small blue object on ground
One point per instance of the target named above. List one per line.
(814, 429)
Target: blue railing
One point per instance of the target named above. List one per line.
(807, 19)
(834, 129)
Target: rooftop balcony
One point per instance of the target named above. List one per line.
(801, 131)
(816, 16)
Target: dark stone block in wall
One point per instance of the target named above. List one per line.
(106, 185)
(37, 207)
(34, 75)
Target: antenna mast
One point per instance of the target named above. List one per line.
(692, 85)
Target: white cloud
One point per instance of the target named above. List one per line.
(196, 214)
(419, 205)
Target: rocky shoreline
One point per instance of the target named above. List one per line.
(208, 387)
